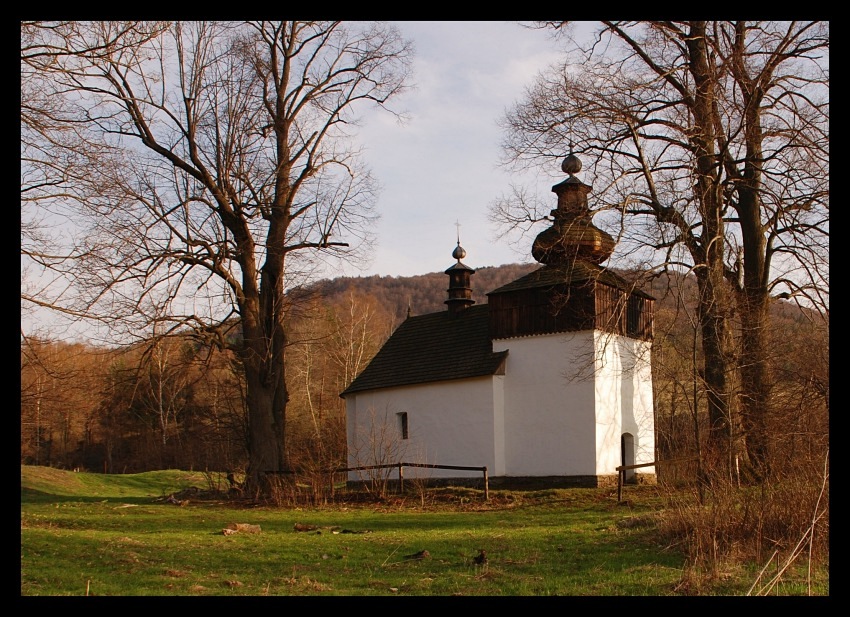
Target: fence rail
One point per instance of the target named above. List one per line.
(401, 466)
(621, 470)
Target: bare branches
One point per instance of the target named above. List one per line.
(629, 107)
(205, 174)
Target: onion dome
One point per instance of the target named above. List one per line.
(572, 235)
(565, 242)
(571, 165)
(459, 252)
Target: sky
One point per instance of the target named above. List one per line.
(441, 167)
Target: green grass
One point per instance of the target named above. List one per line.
(92, 534)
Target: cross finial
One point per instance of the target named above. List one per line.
(459, 252)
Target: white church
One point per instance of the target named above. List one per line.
(549, 380)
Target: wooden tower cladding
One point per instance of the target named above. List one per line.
(568, 306)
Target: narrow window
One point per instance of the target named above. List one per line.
(402, 417)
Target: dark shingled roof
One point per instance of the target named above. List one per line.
(433, 347)
(548, 276)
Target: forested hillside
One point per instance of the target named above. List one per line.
(177, 404)
(425, 293)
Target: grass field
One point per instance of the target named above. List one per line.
(120, 535)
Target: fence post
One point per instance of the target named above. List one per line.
(486, 486)
(400, 478)
(620, 473)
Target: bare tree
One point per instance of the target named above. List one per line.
(710, 140)
(331, 342)
(220, 172)
(164, 385)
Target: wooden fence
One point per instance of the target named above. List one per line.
(401, 466)
(621, 471)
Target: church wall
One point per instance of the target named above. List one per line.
(549, 418)
(500, 438)
(450, 423)
(609, 401)
(640, 421)
(623, 401)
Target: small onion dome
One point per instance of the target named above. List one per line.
(567, 241)
(459, 252)
(571, 165)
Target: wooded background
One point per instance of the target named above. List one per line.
(177, 404)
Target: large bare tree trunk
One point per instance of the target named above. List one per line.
(753, 303)
(716, 374)
(266, 435)
(714, 309)
(263, 359)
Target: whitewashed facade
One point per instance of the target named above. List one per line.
(546, 416)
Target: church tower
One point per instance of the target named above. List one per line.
(572, 291)
(460, 289)
(579, 338)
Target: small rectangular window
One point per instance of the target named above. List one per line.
(402, 418)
